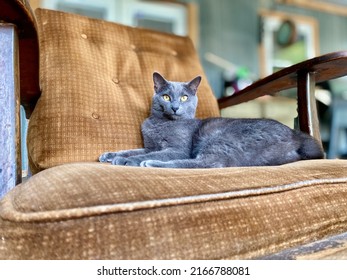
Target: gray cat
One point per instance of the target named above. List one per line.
(174, 138)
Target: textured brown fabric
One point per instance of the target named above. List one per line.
(99, 211)
(96, 80)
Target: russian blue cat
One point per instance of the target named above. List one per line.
(174, 138)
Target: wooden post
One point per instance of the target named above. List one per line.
(308, 119)
(10, 148)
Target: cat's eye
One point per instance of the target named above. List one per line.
(184, 98)
(166, 97)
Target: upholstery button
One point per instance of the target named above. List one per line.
(84, 36)
(174, 53)
(115, 80)
(95, 116)
(133, 47)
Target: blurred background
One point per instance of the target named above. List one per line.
(241, 41)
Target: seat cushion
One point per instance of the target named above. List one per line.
(97, 86)
(100, 211)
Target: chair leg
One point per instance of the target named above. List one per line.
(307, 106)
(10, 145)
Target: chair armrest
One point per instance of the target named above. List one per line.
(19, 13)
(303, 76)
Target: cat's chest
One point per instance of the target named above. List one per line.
(169, 134)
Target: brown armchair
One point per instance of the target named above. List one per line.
(90, 93)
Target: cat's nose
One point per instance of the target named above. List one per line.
(174, 108)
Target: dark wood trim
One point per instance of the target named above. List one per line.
(329, 248)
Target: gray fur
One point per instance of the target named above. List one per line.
(174, 138)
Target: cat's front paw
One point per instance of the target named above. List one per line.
(152, 163)
(107, 157)
(125, 161)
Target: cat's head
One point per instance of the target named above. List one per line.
(174, 100)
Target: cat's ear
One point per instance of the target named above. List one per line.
(159, 82)
(193, 84)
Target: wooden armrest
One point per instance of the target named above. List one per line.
(303, 76)
(325, 67)
(19, 13)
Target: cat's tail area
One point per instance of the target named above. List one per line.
(310, 148)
